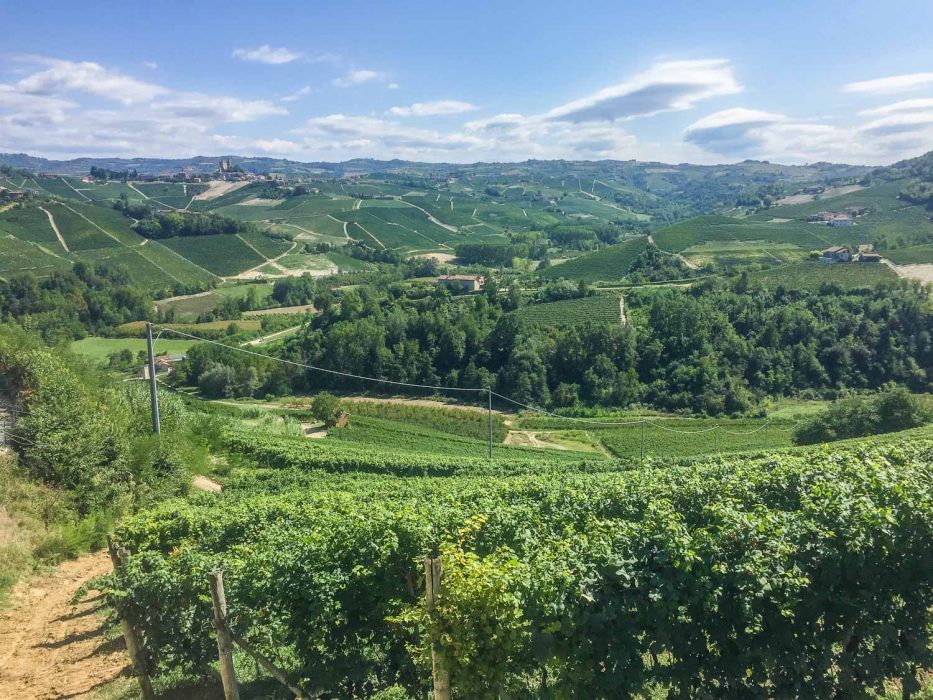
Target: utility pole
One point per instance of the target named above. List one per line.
(153, 386)
(489, 419)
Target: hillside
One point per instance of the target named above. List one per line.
(605, 265)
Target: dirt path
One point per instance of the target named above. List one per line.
(529, 438)
(137, 190)
(688, 263)
(58, 234)
(271, 336)
(51, 649)
(432, 218)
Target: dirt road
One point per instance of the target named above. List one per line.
(52, 649)
(58, 234)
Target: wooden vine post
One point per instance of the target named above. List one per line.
(224, 638)
(440, 672)
(133, 646)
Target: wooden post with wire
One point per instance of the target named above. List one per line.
(489, 419)
(643, 421)
(439, 671)
(153, 385)
(224, 637)
(133, 646)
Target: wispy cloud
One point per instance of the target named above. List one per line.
(664, 87)
(359, 77)
(892, 84)
(298, 94)
(151, 65)
(268, 55)
(898, 107)
(431, 109)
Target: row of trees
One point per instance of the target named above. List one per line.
(714, 349)
(173, 224)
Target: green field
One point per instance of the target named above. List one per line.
(29, 224)
(728, 254)
(396, 228)
(808, 236)
(913, 255)
(812, 274)
(221, 255)
(98, 348)
(606, 265)
(599, 307)
(19, 256)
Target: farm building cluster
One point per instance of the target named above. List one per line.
(7, 195)
(842, 254)
(835, 218)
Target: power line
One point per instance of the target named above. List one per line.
(320, 369)
(536, 409)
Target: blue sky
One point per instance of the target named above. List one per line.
(702, 82)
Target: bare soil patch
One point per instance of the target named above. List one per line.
(218, 188)
(50, 648)
(922, 272)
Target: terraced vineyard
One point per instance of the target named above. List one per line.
(607, 265)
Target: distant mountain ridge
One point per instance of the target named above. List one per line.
(206, 164)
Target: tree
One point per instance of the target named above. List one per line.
(218, 382)
(326, 407)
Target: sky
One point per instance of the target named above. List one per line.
(671, 81)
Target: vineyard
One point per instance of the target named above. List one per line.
(606, 265)
(769, 576)
(600, 307)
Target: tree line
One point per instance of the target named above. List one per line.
(718, 348)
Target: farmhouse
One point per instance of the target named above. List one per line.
(462, 283)
(163, 364)
(840, 220)
(869, 258)
(11, 195)
(855, 211)
(822, 216)
(837, 253)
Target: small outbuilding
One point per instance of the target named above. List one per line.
(462, 283)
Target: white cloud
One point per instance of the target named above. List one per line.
(430, 109)
(88, 78)
(151, 65)
(57, 111)
(665, 87)
(901, 131)
(358, 77)
(268, 55)
(894, 83)
(298, 94)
